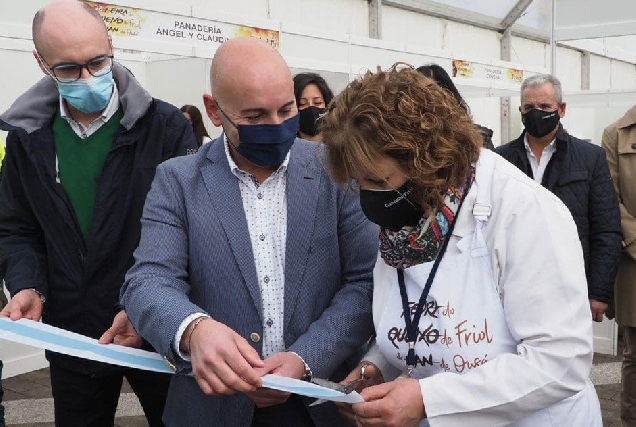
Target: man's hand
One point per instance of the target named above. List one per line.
(121, 332)
(598, 308)
(284, 364)
(396, 403)
(223, 362)
(373, 377)
(25, 304)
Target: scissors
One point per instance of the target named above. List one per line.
(342, 388)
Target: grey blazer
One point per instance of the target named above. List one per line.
(195, 255)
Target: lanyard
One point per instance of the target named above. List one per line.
(412, 324)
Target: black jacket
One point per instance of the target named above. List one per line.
(487, 134)
(578, 174)
(41, 245)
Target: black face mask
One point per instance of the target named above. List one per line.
(392, 209)
(309, 120)
(539, 123)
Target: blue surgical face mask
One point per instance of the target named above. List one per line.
(88, 95)
(265, 145)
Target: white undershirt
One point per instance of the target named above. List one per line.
(539, 166)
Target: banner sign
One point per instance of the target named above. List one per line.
(476, 71)
(131, 22)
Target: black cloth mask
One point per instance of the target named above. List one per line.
(539, 123)
(265, 145)
(309, 120)
(392, 209)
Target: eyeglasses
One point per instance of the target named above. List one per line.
(69, 71)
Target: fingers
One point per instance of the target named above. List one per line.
(250, 355)
(353, 375)
(371, 371)
(222, 379)
(375, 392)
(5, 312)
(15, 310)
(25, 304)
(221, 365)
(264, 397)
(108, 336)
(242, 369)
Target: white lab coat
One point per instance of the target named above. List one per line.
(537, 263)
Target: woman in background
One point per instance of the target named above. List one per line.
(441, 77)
(312, 97)
(193, 115)
(480, 296)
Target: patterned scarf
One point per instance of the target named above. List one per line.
(411, 246)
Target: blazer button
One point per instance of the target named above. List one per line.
(255, 337)
(633, 146)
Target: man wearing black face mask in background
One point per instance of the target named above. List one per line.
(577, 172)
(251, 259)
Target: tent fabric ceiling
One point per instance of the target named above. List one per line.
(584, 19)
(496, 9)
(605, 27)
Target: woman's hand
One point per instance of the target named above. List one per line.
(372, 376)
(392, 404)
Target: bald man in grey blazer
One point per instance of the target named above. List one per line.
(251, 259)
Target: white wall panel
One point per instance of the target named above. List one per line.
(623, 75)
(19, 72)
(402, 26)
(466, 42)
(599, 73)
(339, 16)
(568, 68)
(255, 8)
(182, 81)
(485, 111)
(20, 12)
(580, 121)
(531, 54)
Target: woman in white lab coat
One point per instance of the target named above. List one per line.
(480, 300)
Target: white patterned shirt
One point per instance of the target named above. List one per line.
(538, 167)
(265, 207)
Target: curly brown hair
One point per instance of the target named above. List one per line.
(404, 115)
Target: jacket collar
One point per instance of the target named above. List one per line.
(628, 119)
(559, 164)
(303, 185)
(36, 107)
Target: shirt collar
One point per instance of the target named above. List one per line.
(236, 170)
(109, 111)
(550, 147)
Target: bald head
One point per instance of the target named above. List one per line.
(51, 24)
(243, 64)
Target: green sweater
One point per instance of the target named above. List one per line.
(80, 164)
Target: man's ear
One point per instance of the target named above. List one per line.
(41, 64)
(562, 110)
(212, 110)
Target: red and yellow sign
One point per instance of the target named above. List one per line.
(476, 71)
(131, 22)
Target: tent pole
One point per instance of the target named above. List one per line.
(552, 41)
